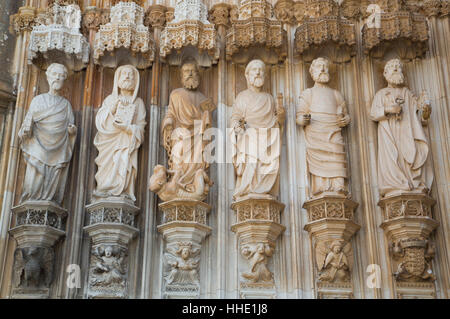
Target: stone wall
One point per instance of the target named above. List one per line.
(357, 53)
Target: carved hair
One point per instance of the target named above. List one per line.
(390, 63)
(336, 243)
(190, 60)
(253, 62)
(57, 65)
(316, 61)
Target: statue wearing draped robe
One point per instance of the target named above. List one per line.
(187, 118)
(403, 148)
(47, 140)
(257, 125)
(323, 114)
(120, 126)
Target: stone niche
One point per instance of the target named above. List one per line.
(324, 31)
(58, 38)
(125, 39)
(255, 33)
(189, 34)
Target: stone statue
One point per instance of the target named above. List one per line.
(403, 147)
(120, 124)
(257, 255)
(257, 125)
(108, 267)
(323, 114)
(33, 267)
(187, 118)
(47, 139)
(184, 263)
(333, 263)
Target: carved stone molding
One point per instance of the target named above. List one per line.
(254, 25)
(155, 16)
(125, 39)
(398, 29)
(111, 229)
(93, 17)
(184, 229)
(190, 28)
(59, 39)
(323, 26)
(219, 14)
(284, 11)
(258, 227)
(22, 21)
(408, 225)
(331, 227)
(39, 225)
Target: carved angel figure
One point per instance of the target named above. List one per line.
(257, 255)
(332, 261)
(108, 266)
(183, 263)
(33, 267)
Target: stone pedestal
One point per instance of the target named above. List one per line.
(38, 226)
(408, 224)
(111, 229)
(183, 229)
(258, 227)
(331, 227)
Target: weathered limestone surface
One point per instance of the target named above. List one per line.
(292, 246)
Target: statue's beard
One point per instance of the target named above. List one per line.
(55, 85)
(396, 78)
(191, 83)
(126, 85)
(322, 78)
(257, 81)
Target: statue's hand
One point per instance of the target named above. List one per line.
(25, 132)
(344, 120)
(281, 114)
(122, 126)
(72, 129)
(394, 109)
(426, 112)
(304, 119)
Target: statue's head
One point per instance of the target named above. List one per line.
(190, 74)
(127, 78)
(56, 75)
(255, 73)
(319, 70)
(185, 252)
(393, 72)
(108, 251)
(336, 246)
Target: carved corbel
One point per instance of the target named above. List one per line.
(155, 16)
(408, 225)
(284, 11)
(219, 14)
(22, 21)
(93, 17)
